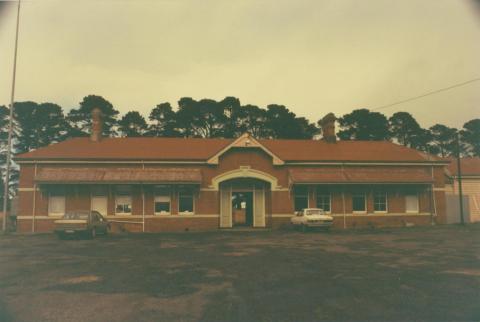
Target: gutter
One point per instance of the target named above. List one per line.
(290, 163)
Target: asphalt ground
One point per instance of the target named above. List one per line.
(409, 274)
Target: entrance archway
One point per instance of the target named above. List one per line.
(243, 202)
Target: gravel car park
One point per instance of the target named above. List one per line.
(410, 274)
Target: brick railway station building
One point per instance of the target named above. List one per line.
(177, 184)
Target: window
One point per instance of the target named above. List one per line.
(324, 201)
(123, 200)
(380, 202)
(358, 202)
(162, 200)
(56, 204)
(300, 198)
(185, 200)
(99, 199)
(411, 203)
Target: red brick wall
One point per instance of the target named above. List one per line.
(282, 202)
(337, 202)
(206, 202)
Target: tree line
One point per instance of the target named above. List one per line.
(40, 124)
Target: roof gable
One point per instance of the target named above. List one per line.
(245, 141)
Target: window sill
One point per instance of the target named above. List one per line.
(163, 214)
(359, 212)
(380, 212)
(186, 213)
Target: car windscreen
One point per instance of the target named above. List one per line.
(314, 212)
(76, 215)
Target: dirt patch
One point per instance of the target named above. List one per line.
(421, 274)
(81, 279)
(468, 272)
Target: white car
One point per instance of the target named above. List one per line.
(311, 217)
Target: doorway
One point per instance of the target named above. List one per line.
(242, 203)
(242, 209)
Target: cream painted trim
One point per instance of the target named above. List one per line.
(246, 141)
(291, 163)
(347, 163)
(281, 189)
(28, 189)
(466, 176)
(440, 189)
(124, 216)
(278, 189)
(361, 215)
(244, 173)
(162, 216)
(39, 217)
(282, 215)
(108, 162)
(126, 221)
(361, 183)
(189, 216)
(382, 215)
(60, 161)
(119, 182)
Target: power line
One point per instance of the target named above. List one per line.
(426, 94)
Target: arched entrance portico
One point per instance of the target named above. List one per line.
(243, 197)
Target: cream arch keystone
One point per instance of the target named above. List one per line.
(245, 172)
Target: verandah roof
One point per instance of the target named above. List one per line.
(359, 175)
(118, 175)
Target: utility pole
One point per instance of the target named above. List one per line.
(10, 129)
(459, 178)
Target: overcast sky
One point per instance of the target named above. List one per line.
(313, 56)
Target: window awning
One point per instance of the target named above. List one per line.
(118, 175)
(361, 175)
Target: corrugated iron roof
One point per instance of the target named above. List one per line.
(118, 175)
(469, 166)
(360, 175)
(192, 149)
(129, 149)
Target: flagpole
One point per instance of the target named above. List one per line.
(10, 129)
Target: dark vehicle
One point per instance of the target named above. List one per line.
(87, 223)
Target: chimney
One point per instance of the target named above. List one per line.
(96, 134)
(328, 128)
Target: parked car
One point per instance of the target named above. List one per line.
(311, 217)
(87, 223)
